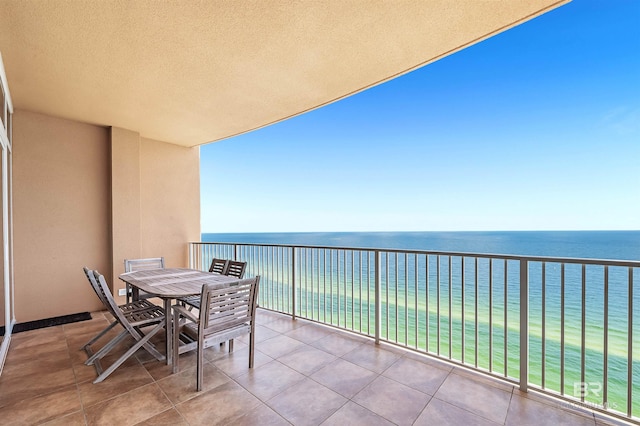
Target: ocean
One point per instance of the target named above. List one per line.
(458, 320)
(621, 245)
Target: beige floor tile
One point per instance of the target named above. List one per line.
(394, 401)
(264, 316)
(602, 420)
(44, 379)
(84, 373)
(353, 414)
(423, 377)
(310, 333)
(88, 372)
(41, 336)
(344, 377)
(283, 324)
(237, 363)
(182, 386)
(73, 419)
(75, 344)
(442, 413)
(170, 417)
(575, 408)
(159, 369)
(486, 401)
(337, 344)
(22, 387)
(129, 408)
(262, 333)
(94, 325)
(307, 403)
(526, 411)
(307, 359)
(37, 359)
(372, 357)
(216, 352)
(262, 415)
(27, 350)
(120, 381)
(230, 401)
(484, 379)
(43, 408)
(269, 380)
(426, 359)
(279, 346)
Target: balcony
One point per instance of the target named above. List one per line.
(305, 374)
(343, 337)
(563, 327)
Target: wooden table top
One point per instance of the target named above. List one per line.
(173, 282)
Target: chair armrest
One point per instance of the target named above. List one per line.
(184, 312)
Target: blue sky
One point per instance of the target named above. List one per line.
(537, 128)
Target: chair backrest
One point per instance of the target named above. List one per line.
(228, 306)
(236, 269)
(110, 303)
(94, 285)
(102, 291)
(131, 265)
(219, 266)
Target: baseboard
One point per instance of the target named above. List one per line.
(51, 322)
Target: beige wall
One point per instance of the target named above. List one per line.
(91, 195)
(170, 200)
(156, 200)
(125, 201)
(61, 214)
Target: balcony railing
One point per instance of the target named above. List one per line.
(563, 326)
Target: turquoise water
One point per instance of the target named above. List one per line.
(411, 290)
(622, 245)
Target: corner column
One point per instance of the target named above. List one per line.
(125, 202)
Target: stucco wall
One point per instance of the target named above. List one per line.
(92, 195)
(125, 201)
(170, 200)
(62, 218)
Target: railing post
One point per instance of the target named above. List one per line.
(524, 325)
(235, 252)
(293, 282)
(378, 307)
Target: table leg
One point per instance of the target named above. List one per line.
(168, 330)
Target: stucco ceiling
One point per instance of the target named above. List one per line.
(191, 72)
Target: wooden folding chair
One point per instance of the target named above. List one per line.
(219, 266)
(141, 305)
(227, 311)
(236, 269)
(132, 323)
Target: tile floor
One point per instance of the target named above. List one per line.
(304, 374)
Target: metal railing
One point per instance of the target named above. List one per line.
(564, 326)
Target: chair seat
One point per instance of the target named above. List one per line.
(190, 331)
(193, 301)
(139, 305)
(142, 317)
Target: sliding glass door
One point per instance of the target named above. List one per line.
(7, 316)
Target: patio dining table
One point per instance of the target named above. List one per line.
(172, 283)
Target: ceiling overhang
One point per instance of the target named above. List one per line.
(192, 72)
